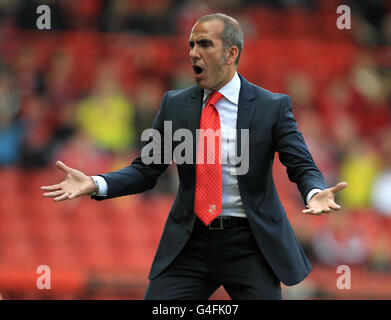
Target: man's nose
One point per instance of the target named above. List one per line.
(194, 54)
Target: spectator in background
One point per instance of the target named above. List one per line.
(381, 193)
(60, 90)
(11, 129)
(359, 165)
(343, 134)
(369, 101)
(58, 81)
(25, 70)
(335, 103)
(40, 126)
(106, 117)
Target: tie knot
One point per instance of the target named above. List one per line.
(214, 97)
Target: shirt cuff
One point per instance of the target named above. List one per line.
(311, 194)
(102, 186)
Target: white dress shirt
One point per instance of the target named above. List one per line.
(228, 110)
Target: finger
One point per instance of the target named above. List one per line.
(73, 196)
(315, 212)
(62, 166)
(62, 197)
(335, 206)
(53, 194)
(339, 187)
(311, 211)
(51, 188)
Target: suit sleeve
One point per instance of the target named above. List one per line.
(140, 175)
(294, 153)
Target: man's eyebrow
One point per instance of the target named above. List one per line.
(205, 41)
(201, 42)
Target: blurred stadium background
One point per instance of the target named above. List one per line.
(84, 91)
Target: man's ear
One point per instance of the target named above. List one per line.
(232, 54)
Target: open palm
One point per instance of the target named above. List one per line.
(323, 202)
(76, 184)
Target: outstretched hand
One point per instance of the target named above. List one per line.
(76, 184)
(323, 202)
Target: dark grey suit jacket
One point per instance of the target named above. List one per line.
(272, 128)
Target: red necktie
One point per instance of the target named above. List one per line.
(208, 193)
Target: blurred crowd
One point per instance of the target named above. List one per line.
(167, 17)
(89, 108)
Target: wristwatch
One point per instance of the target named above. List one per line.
(96, 189)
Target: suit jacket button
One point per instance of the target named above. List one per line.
(188, 232)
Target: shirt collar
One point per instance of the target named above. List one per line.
(230, 91)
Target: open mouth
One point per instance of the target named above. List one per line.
(197, 69)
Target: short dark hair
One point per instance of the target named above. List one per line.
(232, 34)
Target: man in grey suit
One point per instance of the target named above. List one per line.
(250, 247)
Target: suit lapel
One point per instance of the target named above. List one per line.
(194, 115)
(246, 110)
